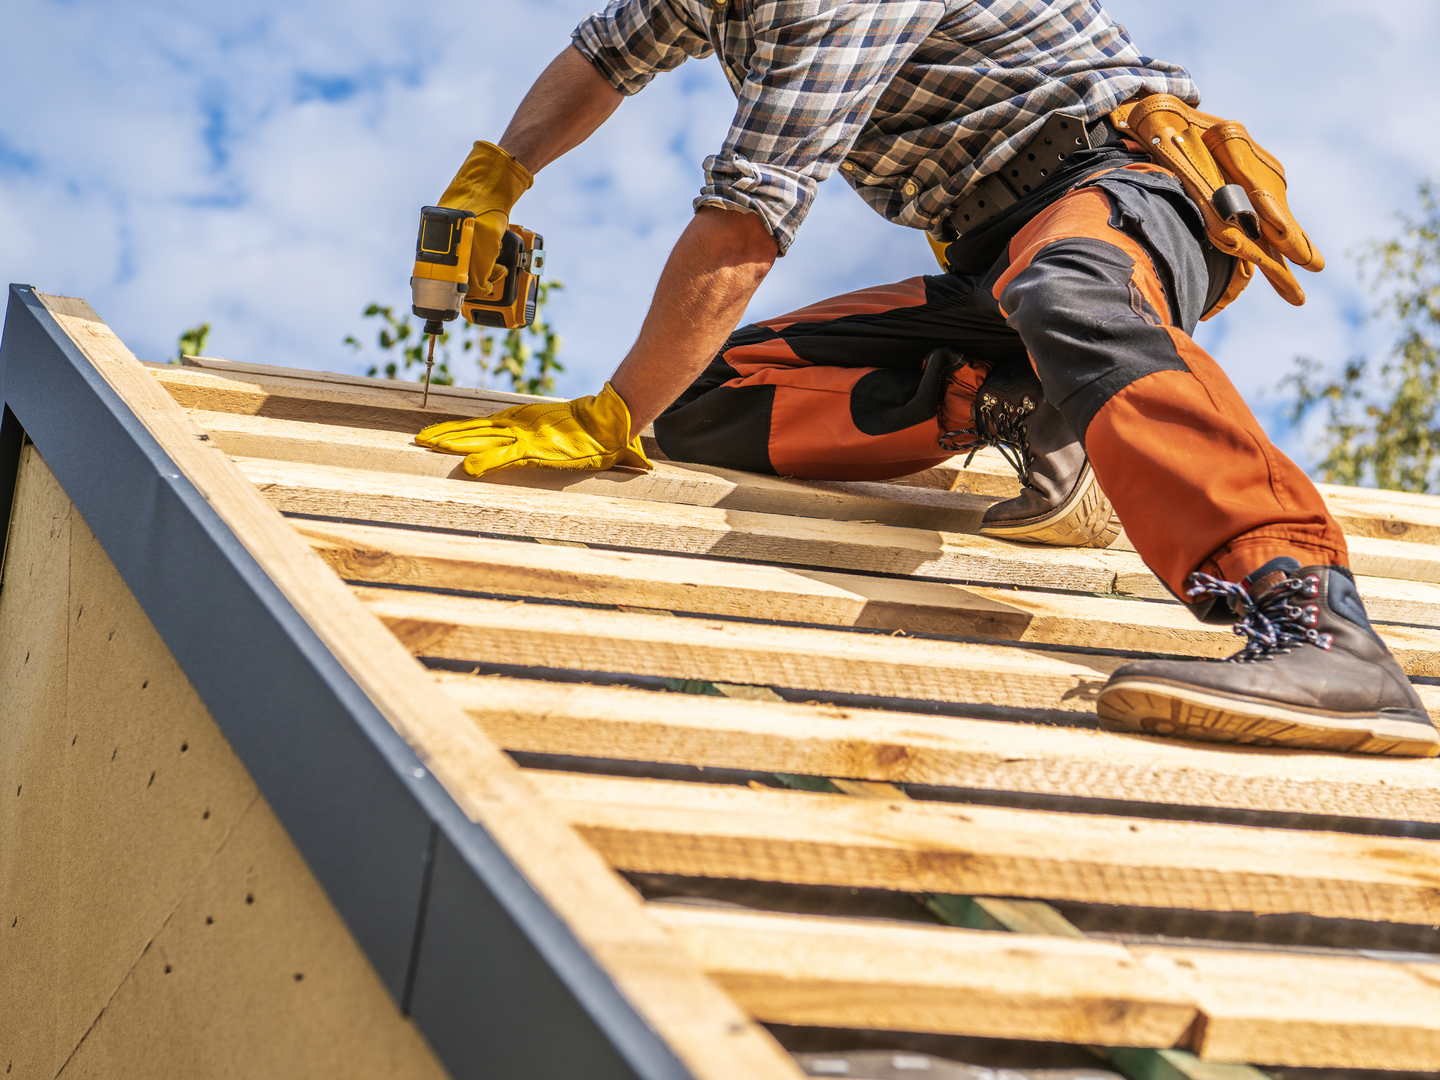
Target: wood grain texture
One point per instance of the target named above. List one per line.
(1318, 1011)
(987, 474)
(1275, 1008)
(696, 530)
(810, 740)
(1384, 515)
(126, 792)
(680, 484)
(384, 555)
(794, 969)
(233, 383)
(1361, 512)
(464, 628)
(698, 1021)
(804, 838)
(1369, 558)
(228, 386)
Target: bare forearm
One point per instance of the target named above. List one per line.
(718, 263)
(566, 105)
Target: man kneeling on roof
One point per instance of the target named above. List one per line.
(1085, 217)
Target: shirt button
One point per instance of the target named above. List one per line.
(910, 189)
(847, 166)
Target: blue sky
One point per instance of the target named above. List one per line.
(259, 165)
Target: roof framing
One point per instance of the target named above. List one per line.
(503, 934)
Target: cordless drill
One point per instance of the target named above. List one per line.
(441, 289)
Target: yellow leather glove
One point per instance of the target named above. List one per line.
(587, 433)
(488, 185)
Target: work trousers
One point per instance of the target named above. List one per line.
(1099, 293)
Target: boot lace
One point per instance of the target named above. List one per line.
(1272, 622)
(1001, 424)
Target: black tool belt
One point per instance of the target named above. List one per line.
(1048, 151)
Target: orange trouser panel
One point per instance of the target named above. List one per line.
(838, 390)
(1190, 471)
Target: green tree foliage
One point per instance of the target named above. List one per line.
(1381, 422)
(403, 346)
(529, 355)
(192, 342)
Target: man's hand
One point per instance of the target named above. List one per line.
(718, 263)
(487, 185)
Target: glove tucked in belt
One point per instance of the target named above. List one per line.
(1239, 187)
(587, 433)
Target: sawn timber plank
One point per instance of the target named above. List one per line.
(310, 399)
(1369, 559)
(698, 1021)
(987, 474)
(1396, 600)
(385, 404)
(204, 371)
(700, 530)
(465, 628)
(827, 972)
(1268, 1007)
(846, 545)
(804, 838)
(1384, 515)
(388, 555)
(683, 484)
(827, 740)
(1298, 1010)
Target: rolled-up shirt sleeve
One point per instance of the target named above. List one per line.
(631, 41)
(817, 71)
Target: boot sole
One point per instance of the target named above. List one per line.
(1085, 519)
(1156, 707)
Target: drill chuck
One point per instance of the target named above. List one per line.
(436, 300)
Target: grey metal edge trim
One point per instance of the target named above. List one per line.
(185, 568)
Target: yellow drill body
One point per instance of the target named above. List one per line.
(440, 286)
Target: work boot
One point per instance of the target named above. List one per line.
(1313, 675)
(1060, 502)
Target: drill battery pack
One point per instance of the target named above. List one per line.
(511, 302)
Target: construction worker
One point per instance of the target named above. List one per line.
(1078, 257)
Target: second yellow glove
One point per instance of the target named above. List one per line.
(587, 433)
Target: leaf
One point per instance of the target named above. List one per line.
(192, 342)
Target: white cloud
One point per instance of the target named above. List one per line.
(260, 165)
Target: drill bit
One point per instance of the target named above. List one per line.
(429, 363)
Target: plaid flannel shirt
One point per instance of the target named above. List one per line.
(913, 100)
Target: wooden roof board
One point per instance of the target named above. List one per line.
(831, 552)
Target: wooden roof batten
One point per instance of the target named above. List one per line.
(484, 894)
